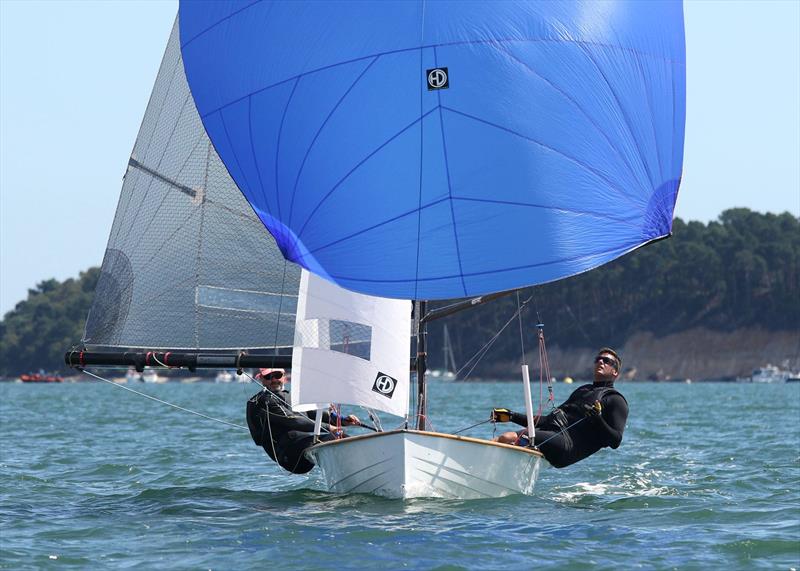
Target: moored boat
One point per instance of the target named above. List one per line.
(769, 374)
(41, 378)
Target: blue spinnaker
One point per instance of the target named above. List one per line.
(431, 150)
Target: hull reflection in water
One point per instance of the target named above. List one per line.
(411, 464)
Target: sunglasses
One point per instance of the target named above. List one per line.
(607, 360)
(273, 376)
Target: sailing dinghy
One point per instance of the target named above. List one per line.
(395, 151)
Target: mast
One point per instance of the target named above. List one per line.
(422, 401)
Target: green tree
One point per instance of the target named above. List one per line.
(39, 330)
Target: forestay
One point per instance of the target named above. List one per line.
(428, 150)
(349, 348)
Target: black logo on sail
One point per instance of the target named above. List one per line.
(437, 78)
(384, 385)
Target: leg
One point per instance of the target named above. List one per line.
(556, 447)
(507, 438)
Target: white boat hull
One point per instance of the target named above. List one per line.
(410, 464)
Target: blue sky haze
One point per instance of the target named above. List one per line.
(75, 78)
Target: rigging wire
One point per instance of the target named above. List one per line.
(544, 361)
(544, 366)
(280, 309)
(145, 395)
(480, 353)
(560, 432)
(521, 336)
(472, 426)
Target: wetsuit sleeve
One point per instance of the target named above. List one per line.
(519, 418)
(612, 420)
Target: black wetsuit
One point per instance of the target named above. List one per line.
(283, 433)
(564, 447)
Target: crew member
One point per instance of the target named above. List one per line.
(283, 433)
(592, 418)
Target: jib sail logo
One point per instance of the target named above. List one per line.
(384, 385)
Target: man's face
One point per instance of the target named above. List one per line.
(273, 382)
(606, 367)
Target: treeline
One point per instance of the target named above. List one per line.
(742, 270)
(39, 330)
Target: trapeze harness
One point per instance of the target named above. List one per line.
(564, 438)
(282, 433)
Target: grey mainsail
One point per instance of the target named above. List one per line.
(188, 264)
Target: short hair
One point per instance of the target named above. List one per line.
(610, 351)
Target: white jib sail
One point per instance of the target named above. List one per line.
(350, 348)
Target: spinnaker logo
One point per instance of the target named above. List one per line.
(384, 385)
(438, 78)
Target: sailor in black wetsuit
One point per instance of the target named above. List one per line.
(592, 418)
(283, 433)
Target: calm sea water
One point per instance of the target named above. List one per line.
(708, 477)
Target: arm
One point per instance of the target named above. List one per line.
(519, 418)
(283, 418)
(612, 420)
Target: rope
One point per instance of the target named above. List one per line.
(521, 336)
(560, 432)
(472, 426)
(485, 349)
(280, 309)
(544, 368)
(145, 395)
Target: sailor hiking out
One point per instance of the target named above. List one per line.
(283, 433)
(593, 417)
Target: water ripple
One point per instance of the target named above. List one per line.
(92, 479)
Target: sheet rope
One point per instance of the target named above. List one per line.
(175, 406)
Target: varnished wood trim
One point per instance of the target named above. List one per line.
(431, 434)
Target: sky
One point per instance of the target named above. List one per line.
(75, 78)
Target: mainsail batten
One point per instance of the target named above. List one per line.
(189, 266)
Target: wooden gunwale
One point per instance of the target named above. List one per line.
(430, 434)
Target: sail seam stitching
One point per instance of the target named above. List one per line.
(443, 45)
(622, 249)
(319, 132)
(583, 165)
(449, 185)
(504, 49)
(357, 166)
